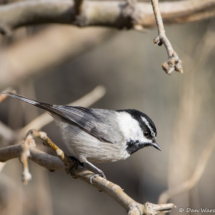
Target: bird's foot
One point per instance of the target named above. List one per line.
(71, 171)
(76, 160)
(101, 174)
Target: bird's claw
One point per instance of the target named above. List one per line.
(101, 174)
(71, 170)
(76, 160)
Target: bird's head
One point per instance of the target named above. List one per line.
(143, 132)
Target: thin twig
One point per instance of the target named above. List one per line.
(190, 183)
(66, 164)
(29, 142)
(97, 13)
(173, 63)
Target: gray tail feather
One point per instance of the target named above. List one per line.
(22, 98)
(44, 106)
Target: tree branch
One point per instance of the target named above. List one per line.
(63, 163)
(174, 63)
(26, 175)
(6, 133)
(93, 13)
(100, 13)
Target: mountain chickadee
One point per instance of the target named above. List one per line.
(98, 135)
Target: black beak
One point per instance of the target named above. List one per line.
(155, 145)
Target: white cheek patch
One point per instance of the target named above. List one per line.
(150, 128)
(131, 128)
(128, 126)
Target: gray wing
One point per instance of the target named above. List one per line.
(84, 118)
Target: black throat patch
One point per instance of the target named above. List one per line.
(134, 146)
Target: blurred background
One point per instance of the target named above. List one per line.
(64, 63)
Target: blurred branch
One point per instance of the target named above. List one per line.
(2, 166)
(100, 13)
(174, 63)
(189, 184)
(6, 133)
(20, 60)
(64, 163)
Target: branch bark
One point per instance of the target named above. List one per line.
(116, 14)
(100, 13)
(18, 61)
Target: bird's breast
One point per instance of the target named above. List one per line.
(82, 144)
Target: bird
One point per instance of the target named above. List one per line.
(99, 135)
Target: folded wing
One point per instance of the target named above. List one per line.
(84, 118)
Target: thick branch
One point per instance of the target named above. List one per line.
(102, 13)
(43, 159)
(15, 64)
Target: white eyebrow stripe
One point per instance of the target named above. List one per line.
(150, 128)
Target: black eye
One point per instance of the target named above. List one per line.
(146, 133)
